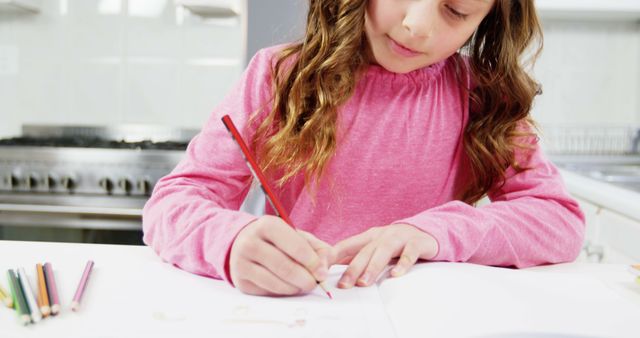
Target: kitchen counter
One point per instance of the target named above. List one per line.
(623, 201)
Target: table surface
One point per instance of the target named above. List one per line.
(131, 292)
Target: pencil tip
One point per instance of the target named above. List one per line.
(329, 294)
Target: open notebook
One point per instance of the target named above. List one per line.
(433, 300)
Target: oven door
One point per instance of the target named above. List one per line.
(78, 212)
(70, 217)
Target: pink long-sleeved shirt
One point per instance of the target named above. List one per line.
(399, 159)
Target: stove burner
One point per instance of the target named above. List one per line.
(90, 142)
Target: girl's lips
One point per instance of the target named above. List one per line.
(401, 50)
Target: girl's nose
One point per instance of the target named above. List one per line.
(420, 18)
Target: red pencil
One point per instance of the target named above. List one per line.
(257, 173)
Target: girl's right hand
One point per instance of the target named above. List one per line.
(269, 258)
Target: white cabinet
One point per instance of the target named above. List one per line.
(609, 236)
(32, 6)
(591, 212)
(621, 233)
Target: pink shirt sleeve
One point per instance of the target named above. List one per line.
(532, 220)
(192, 217)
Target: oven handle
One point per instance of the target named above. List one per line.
(63, 209)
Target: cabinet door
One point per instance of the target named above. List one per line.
(591, 211)
(620, 233)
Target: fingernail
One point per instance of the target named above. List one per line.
(364, 279)
(397, 271)
(345, 282)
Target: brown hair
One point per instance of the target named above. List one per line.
(313, 78)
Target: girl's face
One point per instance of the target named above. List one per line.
(405, 35)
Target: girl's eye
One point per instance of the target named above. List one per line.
(455, 13)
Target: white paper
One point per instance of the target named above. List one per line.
(465, 300)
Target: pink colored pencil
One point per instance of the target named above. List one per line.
(75, 304)
(52, 290)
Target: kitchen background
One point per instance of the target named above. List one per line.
(168, 62)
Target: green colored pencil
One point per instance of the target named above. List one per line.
(21, 304)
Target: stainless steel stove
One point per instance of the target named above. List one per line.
(84, 177)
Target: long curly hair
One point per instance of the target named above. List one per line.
(313, 78)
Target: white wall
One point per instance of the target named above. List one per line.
(590, 72)
(114, 62)
(144, 61)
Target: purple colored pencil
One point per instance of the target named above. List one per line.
(52, 290)
(75, 304)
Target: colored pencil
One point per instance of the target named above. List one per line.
(257, 173)
(43, 297)
(36, 316)
(6, 297)
(52, 290)
(75, 304)
(21, 304)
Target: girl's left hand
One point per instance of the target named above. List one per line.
(369, 252)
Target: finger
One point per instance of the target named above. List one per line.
(351, 246)
(283, 266)
(323, 249)
(297, 247)
(249, 287)
(344, 260)
(379, 260)
(354, 270)
(408, 258)
(266, 280)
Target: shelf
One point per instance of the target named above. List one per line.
(212, 8)
(625, 10)
(26, 6)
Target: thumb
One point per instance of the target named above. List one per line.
(325, 251)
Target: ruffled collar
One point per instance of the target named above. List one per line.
(419, 76)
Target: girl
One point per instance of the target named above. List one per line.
(380, 136)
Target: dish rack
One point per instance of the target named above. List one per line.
(590, 140)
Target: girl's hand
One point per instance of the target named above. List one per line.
(269, 257)
(369, 252)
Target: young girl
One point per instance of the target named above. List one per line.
(379, 137)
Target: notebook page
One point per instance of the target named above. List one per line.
(465, 300)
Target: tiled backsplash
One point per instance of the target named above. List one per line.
(148, 61)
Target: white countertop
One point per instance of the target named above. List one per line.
(623, 201)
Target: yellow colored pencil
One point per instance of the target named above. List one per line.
(5, 297)
(43, 296)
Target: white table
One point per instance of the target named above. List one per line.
(132, 293)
